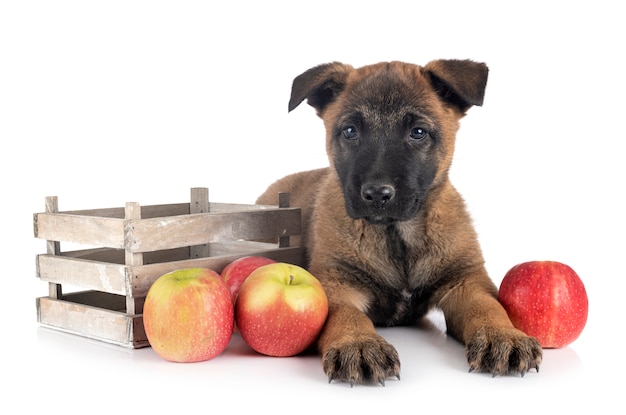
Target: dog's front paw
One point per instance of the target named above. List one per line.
(503, 351)
(370, 360)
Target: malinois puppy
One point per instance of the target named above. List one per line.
(385, 231)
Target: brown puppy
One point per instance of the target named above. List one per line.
(384, 229)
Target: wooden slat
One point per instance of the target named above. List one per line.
(283, 202)
(101, 276)
(237, 207)
(53, 247)
(91, 322)
(137, 337)
(149, 211)
(197, 229)
(117, 256)
(97, 299)
(171, 209)
(199, 204)
(131, 258)
(100, 231)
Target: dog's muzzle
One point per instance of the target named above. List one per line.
(377, 196)
(382, 203)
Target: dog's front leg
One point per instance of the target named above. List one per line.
(475, 317)
(352, 350)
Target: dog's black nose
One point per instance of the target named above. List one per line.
(377, 194)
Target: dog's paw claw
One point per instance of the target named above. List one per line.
(364, 362)
(503, 351)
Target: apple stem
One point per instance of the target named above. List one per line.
(291, 277)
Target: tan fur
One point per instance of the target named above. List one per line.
(442, 253)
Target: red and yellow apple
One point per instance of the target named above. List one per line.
(188, 315)
(280, 309)
(235, 273)
(546, 300)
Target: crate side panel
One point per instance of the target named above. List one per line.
(199, 229)
(84, 320)
(100, 231)
(101, 276)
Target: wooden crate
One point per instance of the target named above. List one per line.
(127, 249)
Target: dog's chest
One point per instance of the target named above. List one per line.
(400, 285)
(390, 306)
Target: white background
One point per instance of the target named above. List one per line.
(102, 103)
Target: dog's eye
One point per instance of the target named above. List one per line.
(350, 132)
(418, 133)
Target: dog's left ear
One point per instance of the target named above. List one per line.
(460, 82)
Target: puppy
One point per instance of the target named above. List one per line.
(384, 229)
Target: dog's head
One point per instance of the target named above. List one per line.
(390, 128)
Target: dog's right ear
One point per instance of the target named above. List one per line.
(319, 85)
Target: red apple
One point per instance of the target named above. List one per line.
(235, 273)
(281, 309)
(188, 315)
(546, 300)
